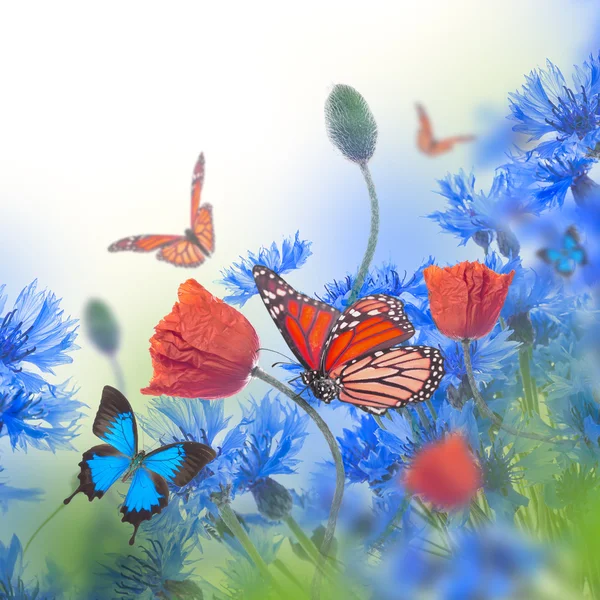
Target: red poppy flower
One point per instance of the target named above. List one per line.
(203, 349)
(445, 473)
(466, 299)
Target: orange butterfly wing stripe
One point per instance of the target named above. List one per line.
(390, 378)
(303, 322)
(204, 229)
(143, 243)
(197, 183)
(371, 324)
(182, 254)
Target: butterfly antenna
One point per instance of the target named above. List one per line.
(280, 354)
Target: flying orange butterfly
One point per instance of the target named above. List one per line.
(428, 144)
(188, 250)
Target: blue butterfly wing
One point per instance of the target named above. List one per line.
(115, 422)
(101, 466)
(147, 496)
(179, 463)
(579, 256)
(565, 266)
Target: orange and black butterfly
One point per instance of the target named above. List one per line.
(427, 143)
(188, 250)
(353, 356)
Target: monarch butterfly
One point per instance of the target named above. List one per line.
(571, 254)
(427, 143)
(352, 356)
(188, 250)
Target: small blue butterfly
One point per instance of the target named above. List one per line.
(566, 260)
(150, 473)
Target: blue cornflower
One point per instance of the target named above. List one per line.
(384, 279)
(479, 216)
(547, 106)
(12, 585)
(46, 419)
(239, 280)
(162, 571)
(34, 333)
(490, 563)
(275, 435)
(545, 180)
(183, 419)
(366, 458)
(488, 356)
(9, 493)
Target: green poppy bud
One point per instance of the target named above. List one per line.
(273, 501)
(350, 124)
(101, 326)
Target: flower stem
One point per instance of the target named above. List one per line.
(230, 519)
(340, 475)
(368, 257)
(484, 409)
(309, 547)
(118, 373)
(62, 505)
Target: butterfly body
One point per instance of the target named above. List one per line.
(119, 459)
(322, 387)
(352, 356)
(566, 259)
(188, 250)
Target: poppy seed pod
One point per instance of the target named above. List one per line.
(350, 124)
(101, 326)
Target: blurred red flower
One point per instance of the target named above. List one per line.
(466, 299)
(203, 349)
(445, 473)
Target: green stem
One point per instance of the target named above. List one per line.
(42, 527)
(281, 566)
(370, 251)
(423, 417)
(525, 377)
(484, 409)
(431, 409)
(118, 372)
(230, 519)
(340, 475)
(309, 547)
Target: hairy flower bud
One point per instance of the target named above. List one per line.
(483, 239)
(273, 500)
(508, 244)
(522, 328)
(350, 124)
(101, 326)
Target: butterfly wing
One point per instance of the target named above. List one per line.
(179, 463)
(303, 322)
(147, 496)
(425, 133)
(182, 254)
(101, 466)
(445, 145)
(204, 230)
(115, 422)
(370, 324)
(197, 183)
(390, 378)
(144, 243)
(573, 247)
